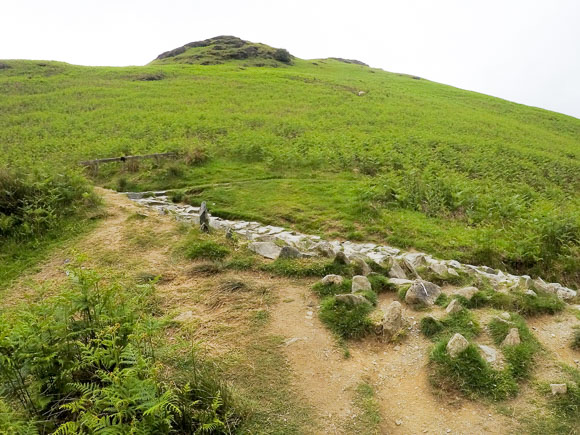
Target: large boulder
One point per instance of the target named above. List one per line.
(393, 319)
(512, 338)
(332, 279)
(422, 293)
(360, 283)
(265, 249)
(352, 299)
(456, 345)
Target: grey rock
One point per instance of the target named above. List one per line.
(452, 272)
(393, 319)
(456, 345)
(513, 338)
(422, 293)
(439, 269)
(289, 252)
(566, 294)
(559, 389)
(505, 315)
(453, 307)
(360, 283)
(396, 271)
(467, 292)
(352, 299)
(265, 249)
(530, 292)
(361, 263)
(341, 258)
(332, 279)
(400, 282)
(203, 218)
(489, 353)
(325, 249)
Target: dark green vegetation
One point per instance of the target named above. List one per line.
(85, 361)
(344, 319)
(410, 163)
(576, 338)
(469, 372)
(518, 301)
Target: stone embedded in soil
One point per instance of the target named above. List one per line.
(360, 283)
(265, 249)
(393, 319)
(422, 293)
(332, 279)
(456, 345)
(489, 353)
(512, 338)
(289, 252)
(352, 299)
(505, 315)
(341, 258)
(559, 389)
(396, 271)
(453, 307)
(361, 263)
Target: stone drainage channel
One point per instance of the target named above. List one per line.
(263, 240)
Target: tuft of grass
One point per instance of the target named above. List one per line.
(332, 289)
(368, 419)
(346, 321)
(402, 292)
(470, 374)
(299, 268)
(208, 250)
(381, 283)
(576, 338)
(442, 300)
(520, 358)
(461, 322)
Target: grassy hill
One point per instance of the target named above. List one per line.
(406, 161)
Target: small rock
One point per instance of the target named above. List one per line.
(400, 282)
(396, 271)
(439, 268)
(505, 315)
(184, 317)
(352, 299)
(452, 272)
(456, 345)
(467, 292)
(489, 353)
(559, 389)
(361, 93)
(422, 293)
(229, 233)
(393, 319)
(399, 422)
(325, 249)
(289, 252)
(360, 283)
(362, 264)
(513, 338)
(203, 218)
(332, 279)
(530, 292)
(453, 307)
(341, 258)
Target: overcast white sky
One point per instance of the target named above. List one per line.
(526, 51)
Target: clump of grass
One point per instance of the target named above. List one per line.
(381, 283)
(402, 292)
(207, 249)
(346, 321)
(520, 358)
(332, 289)
(527, 305)
(205, 269)
(240, 262)
(576, 338)
(442, 300)
(461, 279)
(470, 374)
(461, 322)
(195, 156)
(368, 419)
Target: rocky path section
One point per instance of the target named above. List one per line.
(273, 242)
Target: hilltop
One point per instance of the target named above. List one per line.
(220, 49)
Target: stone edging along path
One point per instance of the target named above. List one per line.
(262, 240)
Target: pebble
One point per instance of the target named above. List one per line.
(399, 422)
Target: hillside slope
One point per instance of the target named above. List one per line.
(323, 146)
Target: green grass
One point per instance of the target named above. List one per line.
(518, 301)
(461, 322)
(346, 321)
(368, 418)
(208, 250)
(413, 163)
(575, 344)
(323, 290)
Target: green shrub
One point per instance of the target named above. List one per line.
(282, 55)
(430, 326)
(32, 203)
(332, 289)
(207, 249)
(347, 321)
(85, 360)
(461, 322)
